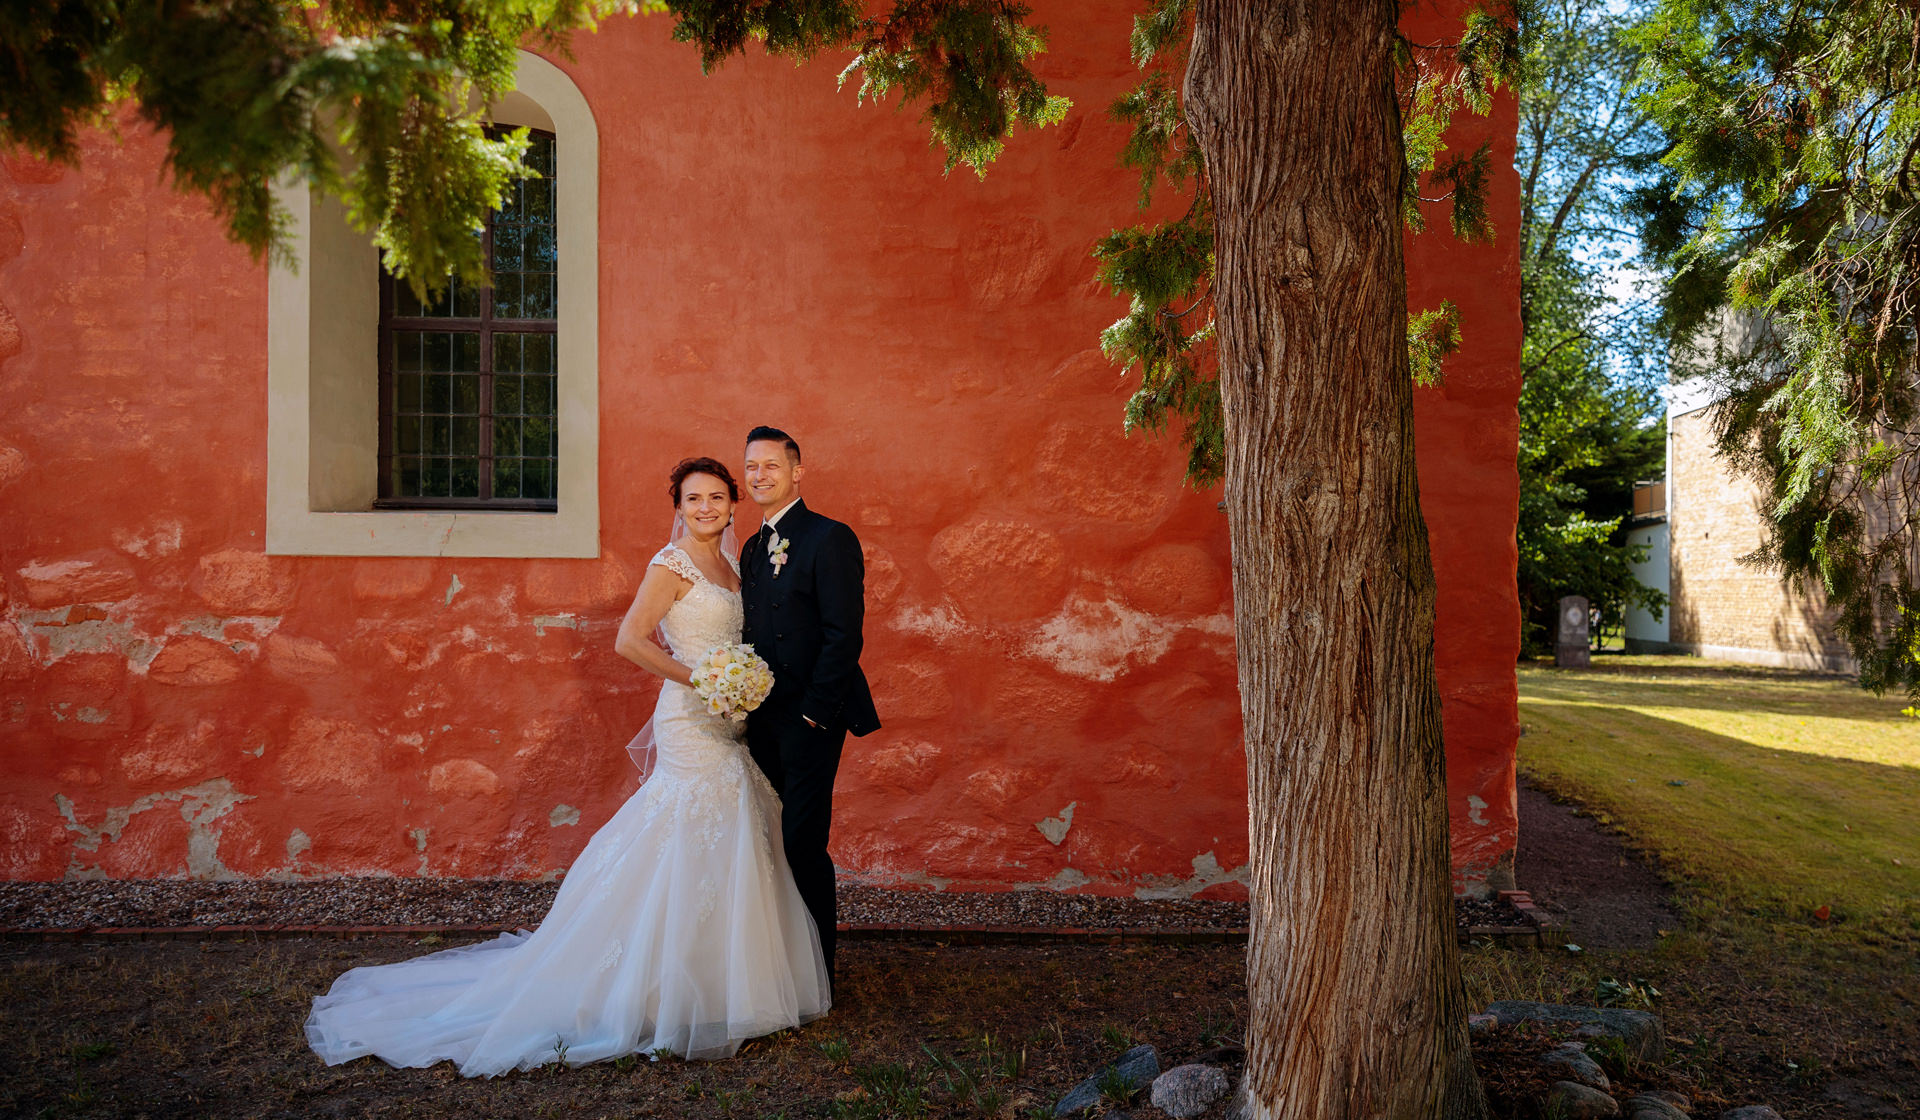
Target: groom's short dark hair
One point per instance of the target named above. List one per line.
(778, 436)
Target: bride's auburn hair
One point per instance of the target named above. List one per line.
(701, 465)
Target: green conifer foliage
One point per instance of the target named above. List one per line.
(1165, 268)
(379, 101)
(247, 91)
(1789, 214)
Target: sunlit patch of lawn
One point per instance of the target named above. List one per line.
(1775, 791)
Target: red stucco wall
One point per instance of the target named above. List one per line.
(1048, 629)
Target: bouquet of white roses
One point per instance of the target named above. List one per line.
(733, 680)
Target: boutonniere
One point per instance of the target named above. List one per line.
(777, 553)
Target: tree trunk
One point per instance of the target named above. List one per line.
(1353, 978)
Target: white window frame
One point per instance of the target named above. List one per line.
(323, 385)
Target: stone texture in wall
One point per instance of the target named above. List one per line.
(1720, 605)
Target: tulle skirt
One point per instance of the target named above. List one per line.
(678, 928)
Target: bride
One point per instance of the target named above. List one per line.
(677, 928)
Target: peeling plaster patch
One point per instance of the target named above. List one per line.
(937, 622)
(42, 571)
(1100, 639)
(215, 627)
(893, 879)
(90, 636)
(453, 588)
(297, 843)
(563, 815)
(1207, 872)
(1055, 828)
(558, 621)
(117, 635)
(1066, 879)
(164, 540)
(1476, 810)
(200, 806)
(257, 751)
(420, 845)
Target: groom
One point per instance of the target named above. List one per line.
(803, 585)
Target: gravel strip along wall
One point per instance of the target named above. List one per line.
(349, 907)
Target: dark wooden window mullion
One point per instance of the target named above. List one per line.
(383, 454)
(486, 375)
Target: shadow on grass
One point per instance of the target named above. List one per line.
(1807, 694)
(1747, 826)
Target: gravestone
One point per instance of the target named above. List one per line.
(1570, 643)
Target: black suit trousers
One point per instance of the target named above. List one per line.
(801, 761)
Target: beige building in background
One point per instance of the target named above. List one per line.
(1717, 606)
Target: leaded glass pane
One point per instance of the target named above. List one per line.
(466, 395)
(506, 478)
(506, 353)
(539, 396)
(506, 295)
(537, 478)
(539, 353)
(506, 395)
(466, 479)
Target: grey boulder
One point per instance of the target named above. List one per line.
(1646, 1106)
(1571, 1100)
(1573, 1065)
(1750, 1112)
(1639, 1030)
(1187, 1091)
(1136, 1067)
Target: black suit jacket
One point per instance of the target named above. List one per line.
(805, 620)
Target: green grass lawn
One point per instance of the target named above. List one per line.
(1774, 791)
(1763, 795)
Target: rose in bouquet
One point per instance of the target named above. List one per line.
(733, 680)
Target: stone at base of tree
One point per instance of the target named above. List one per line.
(1646, 1106)
(1570, 1100)
(1572, 1063)
(1136, 1067)
(1481, 1023)
(1750, 1112)
(1639, 1030)
(1187, 1091)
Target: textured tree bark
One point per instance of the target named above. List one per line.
(1356, 1007)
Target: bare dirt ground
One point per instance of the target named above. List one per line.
(214, 1028)
(1609, 897)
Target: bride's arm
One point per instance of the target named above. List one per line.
(658, 589)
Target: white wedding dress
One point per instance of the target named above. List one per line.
(679, 926)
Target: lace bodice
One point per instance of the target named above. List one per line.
(706, 616)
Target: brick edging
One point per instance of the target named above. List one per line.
(1549, 931)
(859, 931)
(853, 931)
